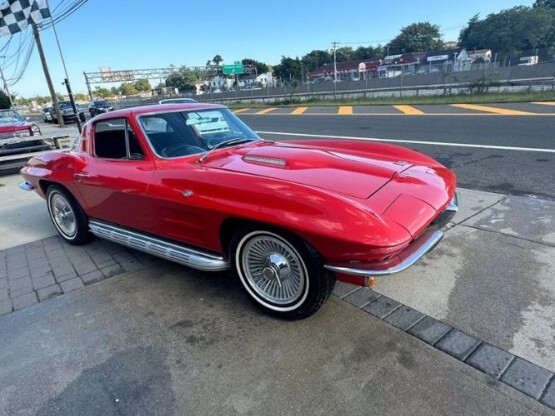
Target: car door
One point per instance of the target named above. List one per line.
(114, 180)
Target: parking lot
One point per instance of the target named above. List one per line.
(129, 332)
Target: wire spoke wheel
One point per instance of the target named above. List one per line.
(63, 215)
(67, 215)
(274, 269)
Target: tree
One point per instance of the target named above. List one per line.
(114, 91)
(315, 59)
(142, 85)
(259, 67)
(418, 37)
(288, 69)
(344, 54)
(217, 60)
(81, 97)
(128, 88)
(511, 31)
(544, 3)
(184, 80)
(366, 53)
(4, 101)
(101, 92)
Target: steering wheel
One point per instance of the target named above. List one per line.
(174, 150)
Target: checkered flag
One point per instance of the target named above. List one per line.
(15, 15)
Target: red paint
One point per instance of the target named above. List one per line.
(352, 201)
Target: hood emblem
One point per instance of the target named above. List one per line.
(265, 160)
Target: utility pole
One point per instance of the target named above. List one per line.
(6, 84)
(47, 76)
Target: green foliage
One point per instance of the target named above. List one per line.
(512, 30)
(4, 101)
(344, 54)
(368, 53)
(184, 79)
(260, 67)
(418, 37)
(217, 60)
(81, 97)
(101, 92)
(288, 68)
(142, 85)
(315, 59)
(128, 88)
(544, 3)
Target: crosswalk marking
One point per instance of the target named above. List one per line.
(242, 110)
(544, 102)
(299, 110)
(408, 109)
(265, 111)
(495, 110)
(345, 110)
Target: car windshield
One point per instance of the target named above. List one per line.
(7, 117)
(64, 104)
(182, 133)
(100, 102)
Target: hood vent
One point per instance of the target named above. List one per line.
(265, 160)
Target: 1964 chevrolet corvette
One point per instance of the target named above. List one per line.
(193, 184)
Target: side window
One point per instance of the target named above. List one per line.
(115, 139)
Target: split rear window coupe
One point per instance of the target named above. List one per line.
(195, 185)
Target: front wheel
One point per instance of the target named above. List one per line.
(67, 216)
(280, 273)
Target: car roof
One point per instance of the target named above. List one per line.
(158, 108)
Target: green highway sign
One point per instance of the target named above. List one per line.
(235, 68)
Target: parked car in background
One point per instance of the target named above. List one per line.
(17, 135)
(49, 114)
(97, 107)
(193, 184)
(177, 101)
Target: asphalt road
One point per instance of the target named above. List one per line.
(515, 172)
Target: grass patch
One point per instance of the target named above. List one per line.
(491, 98)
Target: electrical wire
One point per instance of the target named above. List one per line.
(19, 60)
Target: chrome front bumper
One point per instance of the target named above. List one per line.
(410, 255)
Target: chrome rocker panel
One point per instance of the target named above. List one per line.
(170, 251)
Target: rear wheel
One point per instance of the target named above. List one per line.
(67, 216)
(280, 273)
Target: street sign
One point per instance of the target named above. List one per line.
(235, 68)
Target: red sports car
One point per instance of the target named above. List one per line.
(193, 184)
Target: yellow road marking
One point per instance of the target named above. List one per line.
(265, 111)
(299, 110)
(242, 110)
(495, 110)
(345, 110)
(544, 102)
(408, 109)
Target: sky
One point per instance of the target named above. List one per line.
(143, 34)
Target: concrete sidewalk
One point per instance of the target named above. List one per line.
(490, 278)
(156, 342)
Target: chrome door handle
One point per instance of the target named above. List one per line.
(79, 176)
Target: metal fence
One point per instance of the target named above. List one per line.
(540, 77)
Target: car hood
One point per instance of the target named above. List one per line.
(334, 170)
(13, 127)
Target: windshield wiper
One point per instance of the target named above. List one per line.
(223, 144)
